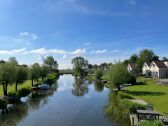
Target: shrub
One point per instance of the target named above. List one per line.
(151, 123)
(20, 93)
(98, 74)
(24, 91)
(13, 93)
(3, 103)
(125, 96)
(51, 78)
(132, 79)
(132, 107)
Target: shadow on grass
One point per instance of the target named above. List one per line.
(144, 93)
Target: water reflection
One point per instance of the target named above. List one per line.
(37, 100)
(98, 85)
(80, 87)
(15, 115)
(49, 108)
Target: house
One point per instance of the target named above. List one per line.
(165, 62)
(131, 68)
(146, 68)
(159, 69)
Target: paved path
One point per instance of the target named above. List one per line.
(142, 102)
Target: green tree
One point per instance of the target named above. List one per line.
(165, 58)
(51, 63)
(134, 58)
(80, 66)
(34, 72)
(21, 75)
(145, 55)
(98, 74)
(7, 75)
(13, 60)
(44, 72)
(117, 76)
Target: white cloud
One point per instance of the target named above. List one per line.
(79, 52)
(15, 51)
(28, 35)
(64, 57)
(42, 51)
(98, 51)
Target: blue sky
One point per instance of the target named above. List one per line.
(100, 30)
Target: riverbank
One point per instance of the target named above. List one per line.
(11, 88)
(152, 93)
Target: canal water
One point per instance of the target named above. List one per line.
(71, 102)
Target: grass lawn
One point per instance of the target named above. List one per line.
(12, 87)
(154, 94)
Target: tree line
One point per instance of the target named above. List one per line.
(11, 72)
(144, 55)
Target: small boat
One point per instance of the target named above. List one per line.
(44, 87)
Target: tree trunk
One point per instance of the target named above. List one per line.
(16, 86)
(32, 81)
(5, 89)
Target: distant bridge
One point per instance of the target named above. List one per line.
(65, 71)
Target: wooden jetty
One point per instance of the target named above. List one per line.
(142, 115)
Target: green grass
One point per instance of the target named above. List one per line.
(154, 94)
(11, 87)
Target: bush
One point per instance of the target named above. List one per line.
(98, 75)
(13, 93)
(151, 123)
(20, 93)
(132, 107)
(125, 96)
(51, 78)
(24, 91)
(132, 79)
(3, 104)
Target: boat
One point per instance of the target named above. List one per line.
(44, 87)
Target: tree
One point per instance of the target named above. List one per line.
(80, 65)
(13, 60)
(35, 72)
(21, 75)
(145, 55)
(134, 58)
(165, 58)
(2, 61)
(117, 76)
(126, 62)
(98, 74)
(7, 75)
(51, 63)
(44, 72)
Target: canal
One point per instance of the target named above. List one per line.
(71, 102)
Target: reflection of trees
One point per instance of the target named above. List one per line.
(80, 87)
(98, 86)
(116, 110)
(14, 116)
(40, 98)
(19, 112)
